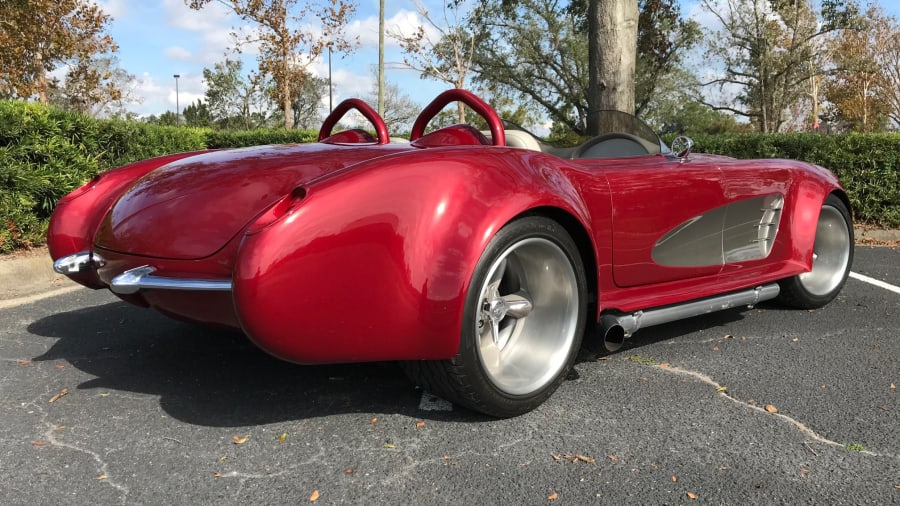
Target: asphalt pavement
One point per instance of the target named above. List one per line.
(107, 403)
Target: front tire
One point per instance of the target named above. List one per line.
(832, 258)
(522, 326)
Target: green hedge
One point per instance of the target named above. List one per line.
(45, 153)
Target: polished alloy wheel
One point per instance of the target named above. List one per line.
(527, 316)
(831, 253)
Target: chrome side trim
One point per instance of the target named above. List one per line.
(141, 278)
(82, 261)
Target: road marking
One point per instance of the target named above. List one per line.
(431, 402)
(4, 304)
(872, 281)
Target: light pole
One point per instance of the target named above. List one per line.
(177, 107)
(330, 103)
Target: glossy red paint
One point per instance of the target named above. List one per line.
(77, 216)
(356, 250)
(385, 277)
(215, 196)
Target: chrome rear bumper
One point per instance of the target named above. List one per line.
(139, 278)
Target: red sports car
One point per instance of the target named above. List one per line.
(476, 259)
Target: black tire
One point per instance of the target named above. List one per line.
(522, 324)
(833, 256)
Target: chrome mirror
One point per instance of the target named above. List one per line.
(682, 146)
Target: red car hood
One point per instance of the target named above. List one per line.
(191, 208)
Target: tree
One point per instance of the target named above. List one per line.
(447, 58)
(306, 101)
(39, 36)
(288, 43)
(538, 50)
(860, 88)
(663, 38)
(197, 115)
(233, 100)
(399, 108)
(612, 53)
(95, 87)
(769, 51)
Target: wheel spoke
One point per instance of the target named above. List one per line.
(518, 305)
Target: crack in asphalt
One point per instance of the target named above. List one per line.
(51, 439)
(796, 423)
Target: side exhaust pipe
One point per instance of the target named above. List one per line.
(617, 327)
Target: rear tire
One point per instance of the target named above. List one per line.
(832, 258)
(522, 326)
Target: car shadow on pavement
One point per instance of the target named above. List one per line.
(218, 378)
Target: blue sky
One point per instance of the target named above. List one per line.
(158, 39)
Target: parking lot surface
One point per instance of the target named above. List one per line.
(107, 403)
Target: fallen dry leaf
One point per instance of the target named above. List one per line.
(692, 496)
(613, 458)
(796, 339)
(223, 458)
(239, 440)
(447, 457)
(721, 389)
(314, 496)
(419, 425)
(62, 393)
(23, 363)
(728, 336)
(39, 443)
(389, 445)
(897, 487)
(552, 497)
(101, 477)
(715, 348)
(771, 409)
(60, 366)
(104, 394)
(723, 468)
(664, 364)
(585, 459)
(674, 479)
(893, 386)
(373, 421)
(217, 474)
(349, 470)
(283, 437)
(804, 470)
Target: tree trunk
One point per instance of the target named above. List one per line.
(612, 48)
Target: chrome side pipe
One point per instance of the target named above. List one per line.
(617, 327)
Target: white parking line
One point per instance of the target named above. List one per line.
(873, 281)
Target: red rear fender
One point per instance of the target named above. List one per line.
(375, 265)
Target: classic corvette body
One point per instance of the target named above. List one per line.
(477, 259)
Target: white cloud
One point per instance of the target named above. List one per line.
(178, 53)
(116, 9)
(404, 22)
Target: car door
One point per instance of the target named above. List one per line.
(667, 218)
